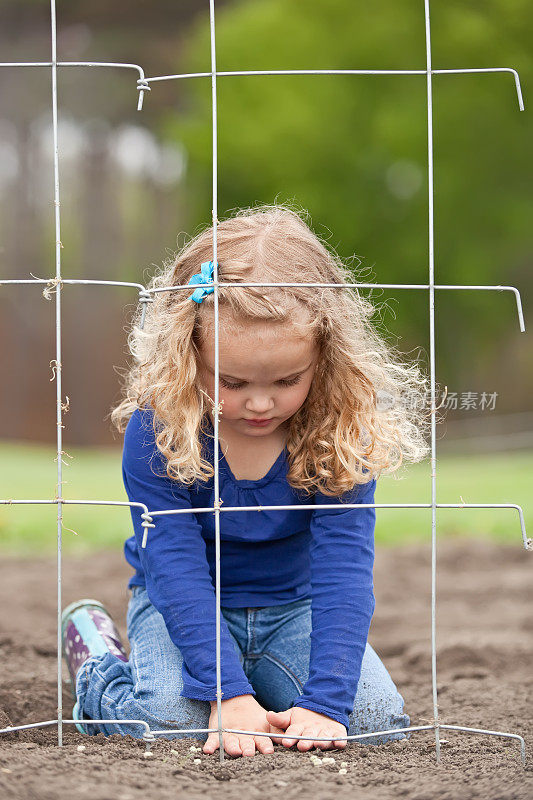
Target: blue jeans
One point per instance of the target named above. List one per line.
(273, 644)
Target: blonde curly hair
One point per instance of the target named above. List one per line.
(340, 436)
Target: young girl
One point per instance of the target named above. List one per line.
(300, 423)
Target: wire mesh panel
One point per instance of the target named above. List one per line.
(149, 516)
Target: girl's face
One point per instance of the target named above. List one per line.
(266, 371)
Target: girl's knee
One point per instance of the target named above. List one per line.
(379, 711)
(378, 704)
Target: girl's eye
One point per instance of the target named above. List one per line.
(291, 381)
(230, 385)
(285, 382)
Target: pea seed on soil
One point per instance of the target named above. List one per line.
(484, 657)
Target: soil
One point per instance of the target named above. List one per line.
(485, 676)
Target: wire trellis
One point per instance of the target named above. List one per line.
(55, 285)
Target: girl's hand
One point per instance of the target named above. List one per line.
(303, 722)
(243, 713)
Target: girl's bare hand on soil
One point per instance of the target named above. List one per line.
(243, 713)
(303, 722)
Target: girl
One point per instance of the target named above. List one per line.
(299, 424)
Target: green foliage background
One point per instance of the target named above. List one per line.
(334, 145)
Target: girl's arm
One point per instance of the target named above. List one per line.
(176, 570)
(342, 604)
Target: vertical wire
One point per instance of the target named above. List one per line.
(216, 410)
(59, 493)
(432, 377)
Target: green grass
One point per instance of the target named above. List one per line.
(28, 471)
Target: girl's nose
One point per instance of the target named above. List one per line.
(259, 404)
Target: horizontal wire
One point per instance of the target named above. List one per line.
(145, 292)
(143, 83)
(145, 516)
(142, 86)
(491, 733)
(77, 502)
(13, 728)
(149, 515)
(346, 737)
(525, 540)
(357, 736)
(150, 735)
(245, 73)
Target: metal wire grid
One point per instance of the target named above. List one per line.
(145, 296)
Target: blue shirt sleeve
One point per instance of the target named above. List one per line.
(176, 570)
(342, 601)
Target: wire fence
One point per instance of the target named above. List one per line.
(56, 285)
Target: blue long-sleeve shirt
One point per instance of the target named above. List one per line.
(267, 558)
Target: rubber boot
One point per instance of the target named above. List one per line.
(87, 630)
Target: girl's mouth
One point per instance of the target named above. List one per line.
(259, 423)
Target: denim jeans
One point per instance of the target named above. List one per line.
(273, 644)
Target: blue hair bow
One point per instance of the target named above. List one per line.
(204, 276)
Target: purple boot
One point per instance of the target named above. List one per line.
(88, 630)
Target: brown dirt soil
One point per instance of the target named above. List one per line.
(484, 646)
